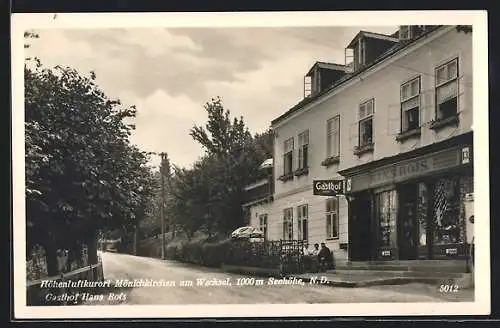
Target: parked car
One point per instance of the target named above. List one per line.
(248, 232)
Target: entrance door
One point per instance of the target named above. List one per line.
(408, 222)
(359, 228)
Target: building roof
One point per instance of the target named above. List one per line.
(399, 46)
(372, 35)
(332, 66)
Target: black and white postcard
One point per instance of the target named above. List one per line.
(185, 165)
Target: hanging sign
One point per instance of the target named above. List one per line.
(328, 187)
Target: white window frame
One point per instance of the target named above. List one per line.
(288, 151)
(407, 99)
(288, 223)
(361, 52)
(302, 215)
(363, 116)
(449, 80)
(333, 137)
(263, 225)
(303, 140)
(332, 216)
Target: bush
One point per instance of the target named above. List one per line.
(214, 253)
(200, 252)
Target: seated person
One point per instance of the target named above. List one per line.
(325, 258)
(310, 258)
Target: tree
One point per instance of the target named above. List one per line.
(82, 173)
(232, 160)
(208, 196)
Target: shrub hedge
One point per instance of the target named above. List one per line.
(213, 253)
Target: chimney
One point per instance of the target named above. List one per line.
(410, 32)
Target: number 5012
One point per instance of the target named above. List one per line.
(448, 288)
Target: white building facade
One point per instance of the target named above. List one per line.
(399, 120)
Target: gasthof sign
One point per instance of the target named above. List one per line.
(328, 187)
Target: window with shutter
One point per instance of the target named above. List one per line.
(288, 156)
(263, 224)
(333, 137)
(447, 90)
(365, 123)
(410, 105)
(288, 224)
(302, 216)
(332, 218)
(303, 149)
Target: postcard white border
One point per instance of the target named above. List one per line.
(481, 305)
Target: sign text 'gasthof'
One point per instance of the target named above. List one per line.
(328, 187)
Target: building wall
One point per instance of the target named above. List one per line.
(316, 220)
(257, 210)
(383, 85)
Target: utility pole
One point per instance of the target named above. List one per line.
(162, 211)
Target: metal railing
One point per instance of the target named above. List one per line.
(285, 255)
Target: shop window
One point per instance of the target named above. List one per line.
(422, 207)
(288, 224)
(263, 224)
(302, 213)
(332, 218)
(446, 199)
(386, 210)
(447, 90)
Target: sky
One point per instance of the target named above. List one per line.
(170, 73)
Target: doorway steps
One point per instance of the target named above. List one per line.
(452, 273)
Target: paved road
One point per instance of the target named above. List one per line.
(121, 266)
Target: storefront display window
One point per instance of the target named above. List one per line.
(446, 199)
(386, 209)
(422, 207)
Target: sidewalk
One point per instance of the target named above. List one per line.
(340, 280)
(407, 285)
(345, 278)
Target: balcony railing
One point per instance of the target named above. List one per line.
(259, 190)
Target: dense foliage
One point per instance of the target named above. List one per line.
(208, 196)
(82, 173)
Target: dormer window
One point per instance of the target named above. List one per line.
(404, 32)
(361, 52)
(321, 76)
(366, 47)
